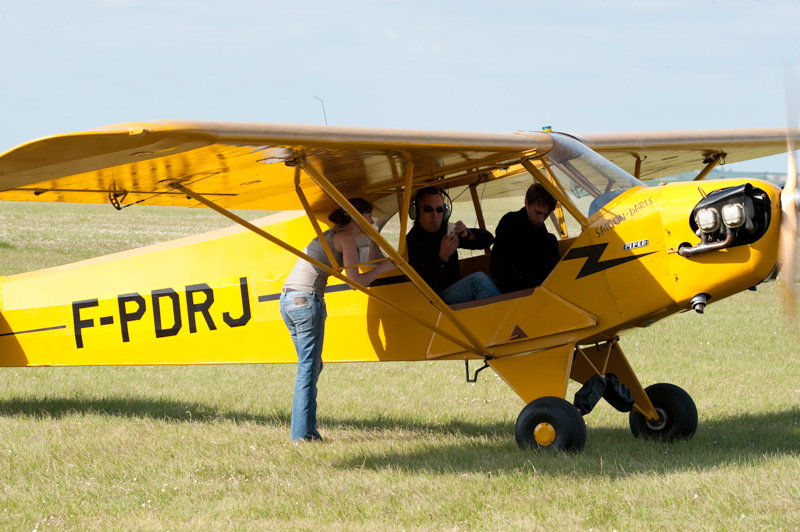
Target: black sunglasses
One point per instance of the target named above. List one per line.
(429, 208)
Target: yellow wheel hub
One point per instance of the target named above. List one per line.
(544, 434)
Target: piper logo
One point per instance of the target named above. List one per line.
(634, 245)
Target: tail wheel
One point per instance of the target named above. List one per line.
(550, 424)
(677, 415)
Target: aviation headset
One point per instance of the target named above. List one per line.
(448, 203)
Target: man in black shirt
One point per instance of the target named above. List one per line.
(524, 252)
(432, 251)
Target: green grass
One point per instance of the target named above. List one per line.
(409, 446)
(40, 235)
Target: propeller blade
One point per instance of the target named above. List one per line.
(787, 247)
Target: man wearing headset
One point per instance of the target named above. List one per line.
(432, 245)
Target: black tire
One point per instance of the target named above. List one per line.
(560, 426)
(677, 415)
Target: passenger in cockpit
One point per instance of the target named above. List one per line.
(432, 250)
(524, 251)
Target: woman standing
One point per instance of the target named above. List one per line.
(303, 308)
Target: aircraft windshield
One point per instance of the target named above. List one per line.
(588, 179)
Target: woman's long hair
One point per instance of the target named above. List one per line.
(340, 218)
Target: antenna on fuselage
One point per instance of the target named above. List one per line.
(323, 110)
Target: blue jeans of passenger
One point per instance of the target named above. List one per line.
(304, 315)
(474, 286)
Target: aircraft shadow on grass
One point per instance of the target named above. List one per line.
(613, 453)
(480, 446)
(194, 412)
(161, 409)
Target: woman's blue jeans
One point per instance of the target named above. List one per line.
(304, 315)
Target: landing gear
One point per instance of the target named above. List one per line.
(550, 424)
(677, 415)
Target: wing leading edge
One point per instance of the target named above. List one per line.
(242, 165)
(251, 166)
(665, 153)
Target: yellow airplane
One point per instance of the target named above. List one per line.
(638, 253)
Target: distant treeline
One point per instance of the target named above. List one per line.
(725, 174)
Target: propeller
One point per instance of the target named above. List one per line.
(787, 246)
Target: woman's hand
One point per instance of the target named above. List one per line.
(385, 265)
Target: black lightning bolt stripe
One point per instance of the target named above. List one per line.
(592, 255)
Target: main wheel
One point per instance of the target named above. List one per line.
(550, 424)
(677, 415)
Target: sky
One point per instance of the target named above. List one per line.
(486, 66)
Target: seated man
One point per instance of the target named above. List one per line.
(524, 252)
(432, 251)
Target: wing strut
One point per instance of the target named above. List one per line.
(476, 203)
(342, 277)
(711, 162)
(477, 347)
(313, 219)
(405, 204)
(558, 220)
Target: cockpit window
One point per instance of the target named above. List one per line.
(588, 179)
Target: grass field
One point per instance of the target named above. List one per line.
(409, 446)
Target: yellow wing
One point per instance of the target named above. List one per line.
(253, 166)
(664, 153)
(243, 165)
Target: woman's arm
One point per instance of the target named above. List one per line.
(374, 251)
(346, 243)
